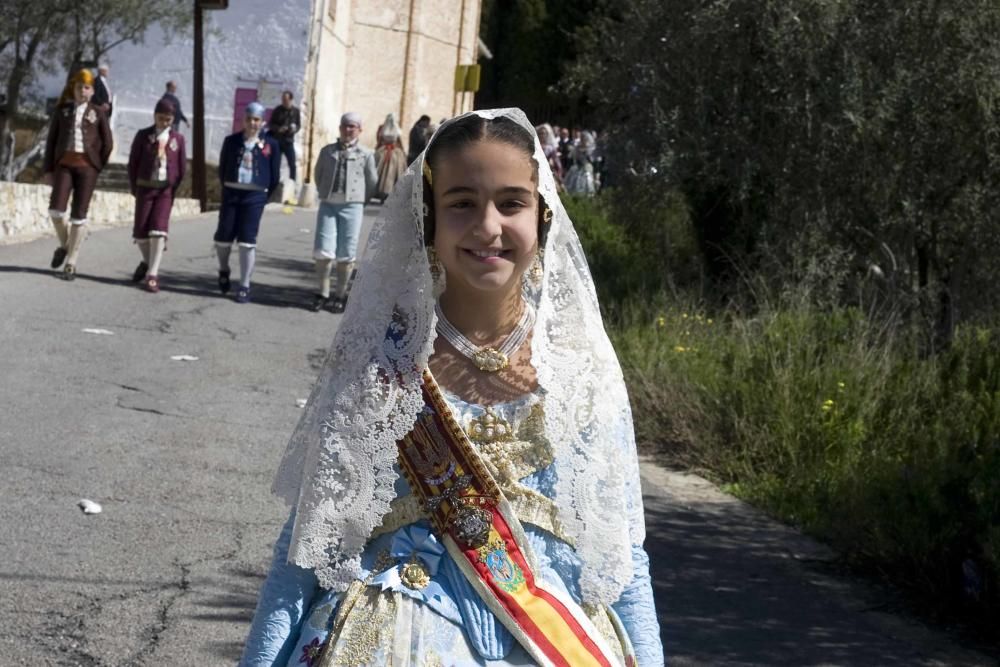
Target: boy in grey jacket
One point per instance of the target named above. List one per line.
(345, 177)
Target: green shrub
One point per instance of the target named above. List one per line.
(638, 254)
(829, 417)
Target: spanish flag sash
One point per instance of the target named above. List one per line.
(479, 529)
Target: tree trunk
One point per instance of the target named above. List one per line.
(7, 124)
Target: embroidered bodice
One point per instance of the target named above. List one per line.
(511, 439)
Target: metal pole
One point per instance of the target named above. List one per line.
(404, 111)
(198, 162)
(458, 60)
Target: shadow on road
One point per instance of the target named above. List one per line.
(56, 274)
(236, 607)
(734, 588)
(202, 284)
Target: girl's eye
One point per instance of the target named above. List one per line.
(460, 204)
(513, 205)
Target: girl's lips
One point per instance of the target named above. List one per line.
(489, 255)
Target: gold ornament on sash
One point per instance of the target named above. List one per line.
(414, 575)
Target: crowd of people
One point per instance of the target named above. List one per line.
(575, 156)
(347, 176)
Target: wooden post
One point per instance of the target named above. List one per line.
(198, 159)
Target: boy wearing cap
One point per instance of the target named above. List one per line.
(78, 146)
(249, 169)
(345, 178)
(156, 166)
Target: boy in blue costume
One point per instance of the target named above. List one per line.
(249, 169)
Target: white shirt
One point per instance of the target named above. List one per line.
(78, 128)
(161, 164)
(245, 172)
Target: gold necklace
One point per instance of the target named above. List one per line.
(488, 359)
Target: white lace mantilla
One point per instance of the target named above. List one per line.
(338, 468)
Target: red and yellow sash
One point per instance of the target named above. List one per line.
(481, 532)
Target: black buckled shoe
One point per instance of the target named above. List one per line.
(69, 273)
(224, 284)
(338, 304)
(140, 272)
(319, 303)
(58, 257)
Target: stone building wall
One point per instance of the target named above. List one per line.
(390, 56)
(371, 56)
(24, 211)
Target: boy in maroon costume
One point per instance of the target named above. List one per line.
(156, 166)
(78, 146)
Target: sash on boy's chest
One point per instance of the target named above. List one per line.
(478, 527)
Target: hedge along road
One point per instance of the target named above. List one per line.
(180, 454)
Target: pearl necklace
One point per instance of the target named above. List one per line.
(489, 359)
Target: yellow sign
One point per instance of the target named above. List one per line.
(467, 78)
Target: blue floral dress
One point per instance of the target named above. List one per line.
(413, 606)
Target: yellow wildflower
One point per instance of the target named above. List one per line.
(828, 405)
(841, 385)
(661, 321)
(680, 348)
(684, 315)
(708, 321)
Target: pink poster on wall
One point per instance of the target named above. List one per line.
(242, 99)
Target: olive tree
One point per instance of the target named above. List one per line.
(867, 130)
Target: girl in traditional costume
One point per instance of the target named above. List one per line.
(464, 478)
(550, 146)
(580, 178)
(390, 157)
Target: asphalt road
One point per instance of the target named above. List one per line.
(180, 455)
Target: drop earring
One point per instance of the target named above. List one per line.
(537, 271)
(435, 264)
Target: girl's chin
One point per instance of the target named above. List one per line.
(493, 281)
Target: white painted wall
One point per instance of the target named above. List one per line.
(24, 211)
(250, 41)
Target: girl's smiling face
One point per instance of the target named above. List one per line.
(485, 216)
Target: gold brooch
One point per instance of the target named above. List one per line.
(490, 360)
(414, 575)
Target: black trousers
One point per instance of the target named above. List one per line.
(288, 150)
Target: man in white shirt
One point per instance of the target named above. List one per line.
(102, 90)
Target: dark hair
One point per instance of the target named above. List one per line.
(289, 93)
(467, 131)
(424, 119)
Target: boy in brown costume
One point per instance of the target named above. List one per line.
(79, 145)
